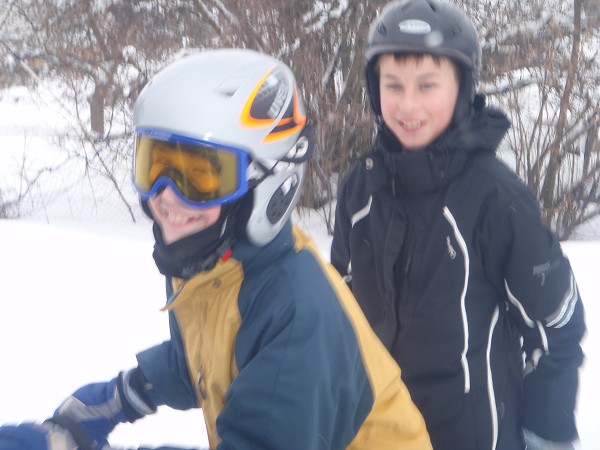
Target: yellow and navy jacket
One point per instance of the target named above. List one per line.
(273, 347)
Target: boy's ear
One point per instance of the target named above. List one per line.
(465, 102)
(459, 71)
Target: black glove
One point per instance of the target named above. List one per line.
(534, 442)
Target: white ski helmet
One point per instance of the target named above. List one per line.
(237, 102)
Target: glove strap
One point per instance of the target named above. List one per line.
(75, 430)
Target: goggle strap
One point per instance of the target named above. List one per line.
(266, 172)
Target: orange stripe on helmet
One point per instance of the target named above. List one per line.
(297, 120)
(246, 116)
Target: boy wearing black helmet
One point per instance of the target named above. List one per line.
(265, 337)
(445, 250)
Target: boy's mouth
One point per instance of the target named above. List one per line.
(411, 125)
(178, 218)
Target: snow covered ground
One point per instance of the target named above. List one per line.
(79, 301)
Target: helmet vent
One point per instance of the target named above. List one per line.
(300, 152)
(230, 86)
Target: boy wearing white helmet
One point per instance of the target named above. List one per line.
(445, 250)
(265, 337)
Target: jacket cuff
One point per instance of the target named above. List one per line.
(131, 387)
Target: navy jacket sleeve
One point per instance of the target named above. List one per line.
(340, 248)
(543, 296)
(166, 373)
(340, 245)
(165, 367)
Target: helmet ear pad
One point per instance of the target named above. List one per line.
(464, 100)
(372, 82)
(266, 208)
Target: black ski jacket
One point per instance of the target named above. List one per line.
(447, 255)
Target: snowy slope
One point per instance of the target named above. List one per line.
(79, 302)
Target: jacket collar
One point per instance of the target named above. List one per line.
(442, 161)
(250, 257)
(253, 257)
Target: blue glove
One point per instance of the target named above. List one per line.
(92, 412)
(86, 418)
(30, 436)
(534, 442)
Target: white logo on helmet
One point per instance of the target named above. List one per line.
(276, 89)
(414, 26)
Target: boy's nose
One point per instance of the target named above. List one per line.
(168, 194)
(408, 101)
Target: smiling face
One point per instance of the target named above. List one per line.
(176, 219)
(418, 95)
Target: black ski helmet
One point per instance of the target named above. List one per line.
(424, 27)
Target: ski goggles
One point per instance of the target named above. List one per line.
(201, 173)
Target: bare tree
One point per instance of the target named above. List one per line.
(323, 43)
(97, 55)
(545, 73)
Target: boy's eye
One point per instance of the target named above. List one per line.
(393, 87)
